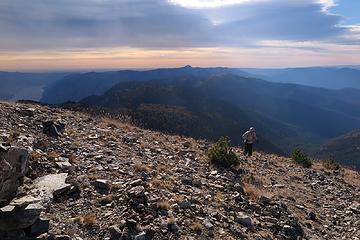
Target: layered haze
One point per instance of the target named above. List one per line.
(92, 34)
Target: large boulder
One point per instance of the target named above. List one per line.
(16, 217)
(21, 219)
(13, 167)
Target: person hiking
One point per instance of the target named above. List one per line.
(249, 139)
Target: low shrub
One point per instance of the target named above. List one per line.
(330, 164)
(301, 158)
(221, 155)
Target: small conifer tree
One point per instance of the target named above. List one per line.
(301, 158)
(221, 155)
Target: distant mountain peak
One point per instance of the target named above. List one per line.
(188, 67)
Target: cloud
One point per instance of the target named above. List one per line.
(62, 24)
(92, 23)
(294, 20)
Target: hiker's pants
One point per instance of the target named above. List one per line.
(248, 149)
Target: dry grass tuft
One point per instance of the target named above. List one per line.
(53, 154)
(254, 192)
(255, 181)
(78, 219)
(106, 199)
(73, 160)
(35, 155)
(139, 167)
(178, 198)
(87, 220)
(163, 205)
(197, 227)
(13, 136)
(118, 122)
(352, 177)
(77, 144)
(250, 190)
(93, 177)
(162, 168)
(164, 184)
(171, 220)
(116, 186)
(219, 198)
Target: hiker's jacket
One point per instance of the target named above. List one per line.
(249, 137)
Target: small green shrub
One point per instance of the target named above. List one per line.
(301, 158)
(221, 155)
(330, 164)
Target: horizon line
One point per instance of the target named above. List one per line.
(355, 66)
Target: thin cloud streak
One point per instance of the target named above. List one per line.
(270, 54)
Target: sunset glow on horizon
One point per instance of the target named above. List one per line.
(110, 34)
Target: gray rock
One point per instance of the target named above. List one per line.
(238, 188)
(244, 220)
(293, 230)
(355, 208)
(197, 183)
(64, 163)
(102, 184)
(13, 167)
(3, 148)
(115, 232)
(53, 129)
(138, 198)
(208, 224)
(173, 227)
(44, 236)
(24, 201)
(311, 216)
(39, 227)
(140, 236)
(185, 204)
(187, 181)
(136, 182)
(264, 200)
(131, 224)
(62, 237)
(187, 144)
(137, 191)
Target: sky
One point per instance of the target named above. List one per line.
(118, 34)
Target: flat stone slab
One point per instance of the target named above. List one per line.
(51, 185)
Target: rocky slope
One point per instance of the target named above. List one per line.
(123, 182)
